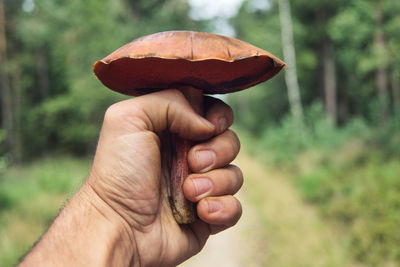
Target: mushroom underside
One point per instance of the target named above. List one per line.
(138, 76)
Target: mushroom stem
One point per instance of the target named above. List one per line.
(183, 210)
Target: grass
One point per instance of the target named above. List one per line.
(361, 192)
(351, 175)
(284, 229)
(30, 198)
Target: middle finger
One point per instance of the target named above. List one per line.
(225, 181)
(216, 153)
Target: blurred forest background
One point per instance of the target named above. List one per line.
(330, 122)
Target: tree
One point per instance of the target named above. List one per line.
(290, 58)
(265, 105)
(6, 103)
(316, 16)
(380, 54)
(50, 88)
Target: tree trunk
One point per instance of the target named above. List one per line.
(381, 72)
(6, 101)
(290, 58)
(42, 72)
(396, 92)
(329, 80)
(17, 96)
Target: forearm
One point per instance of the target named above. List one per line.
(86, 233)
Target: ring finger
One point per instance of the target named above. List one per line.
(226, 181)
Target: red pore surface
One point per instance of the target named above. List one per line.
(209, 62)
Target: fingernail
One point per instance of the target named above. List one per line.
(208, 123)
(223, 124)
(205, 159)
(202, 185)
(213, 206)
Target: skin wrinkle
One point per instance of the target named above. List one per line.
(134, 112)
(131, 236)
(224, 144)
(146, 251)
(239, 174)
(141, 205)
(234, 220)
(239, 214)
(191, 244)
(171, 111)
(141, 225)
(141, 208)
(126, 163)
(175, 123)
(141, 116)
(166, 243)
(98, 210)
(199, 242)
(231, 183)
(167, 114)
(135, 121)
(235, 145)
(116, 196)
(151, 125)
(76, 221)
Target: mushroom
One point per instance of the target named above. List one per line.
(196, 63)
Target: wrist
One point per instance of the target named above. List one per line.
(117, 237)
(87, 232)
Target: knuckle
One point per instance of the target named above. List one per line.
(238, 209)
(132, 113)
(113, 113)
(174, 94)
(238, 175)
(230, 113)
(234, 142)
(228, 183)
(236, 212)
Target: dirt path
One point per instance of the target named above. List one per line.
(276, 229)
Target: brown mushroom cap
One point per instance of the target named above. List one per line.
(212, 63)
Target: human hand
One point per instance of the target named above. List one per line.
(127, 174)
(121, 215)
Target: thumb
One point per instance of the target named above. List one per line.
(167, 109)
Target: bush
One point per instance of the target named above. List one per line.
(351, 173)
(30, 197)
(287, 141)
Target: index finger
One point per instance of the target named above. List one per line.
(218, 113)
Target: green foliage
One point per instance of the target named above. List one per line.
(286, 141)
(47, 175)
(53, 49)
(30, 197)
(351, 173)
(351, 28)
(361, 192)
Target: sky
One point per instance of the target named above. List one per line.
(205, 9)
(219, 11)
(28, 5)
